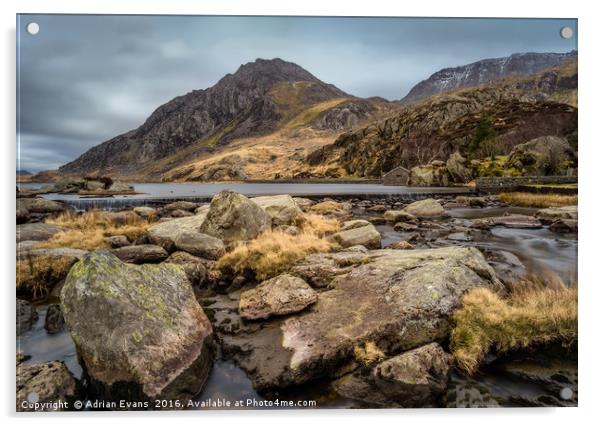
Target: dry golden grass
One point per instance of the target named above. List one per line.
(88, 230)
(527, 199)
(274, 250)
(327, 207)
(37, 275)
(531, 315)
(368, 354)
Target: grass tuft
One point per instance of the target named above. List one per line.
(526, 199)
(36, 276)
(531, 315)
(274, 251)
(88, 230)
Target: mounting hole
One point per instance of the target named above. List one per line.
(566, 393)
(33, 28)
(566, 32)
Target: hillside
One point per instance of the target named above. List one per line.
(485, 71)
(259, 99)
(511, 110)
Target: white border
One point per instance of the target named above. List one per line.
(590, 124)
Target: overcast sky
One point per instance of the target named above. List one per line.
(85, 79)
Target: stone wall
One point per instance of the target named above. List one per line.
(502, 184)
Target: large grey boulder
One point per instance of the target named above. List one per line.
(165, 233)
(233, 217)
(40, 205)
(456, 167)
(425, 209)
(398, 299)
(37, 231)
(281, 295)
(201, 245)
(281, 208)
(50, 382)
(416, 378)
(138, 330)
(367, 236)
(194, 267)
(143, 253)
(145, 212)
(545, 155)
(181, 205)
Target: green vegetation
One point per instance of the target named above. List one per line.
(484, 131)
(527, 199)
(531, 316)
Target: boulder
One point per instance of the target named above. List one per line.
(510, 221)
(428, 176)
(26, 316)
(281, 208)
(401, 245)
(356, 223)
(281, 295)
(233, 217)
(367, 236)
(54, 321)
(456, 167)
(165, 233)
(145, 212)
(545, 155)
(118, 186)
(67, 254)
(143, 253)
(507, 265)
(139, 332)
(122, 218)
(180, 213)
(50, 382)
(416, 378)
(40, 205)
(426, 208)
(181, 205)
(400, 299)
(563, 226)
(551, 214)
(201, 245)
(303, 203)
(399, 216)
(194, 267)
(405, 227)
(117, 241)
(37, 231)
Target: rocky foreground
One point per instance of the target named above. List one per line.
(291, 289)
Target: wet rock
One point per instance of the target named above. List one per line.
(165, 233)
(551, 214)
(195, 267)
(508, 267)
(456, 167)
(379, 208)
(180, 213)
(54, 321)
(401, 299)
(51, 382)
(367, 236)
(181, 205)
(303, 203)
(149, 337)
(461, 237)
(117, 241)
(145, 212)
(201, 245)
(416, 378)
(563, 226)
(26, 316)
(40, 205)
(405, 227)
(469, 394)
(281, 295)
(281, 208)
(144, 253)
(401, 245)
(426, 209)
(510, 221)
(233, 217)
(399, 216)
(37, 231)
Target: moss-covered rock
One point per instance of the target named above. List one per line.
(139, 331)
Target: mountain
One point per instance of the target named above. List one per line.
(485, 71)
(258, 99)
(513, 110)
(23, 173)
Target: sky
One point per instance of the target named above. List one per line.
(84, 79)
